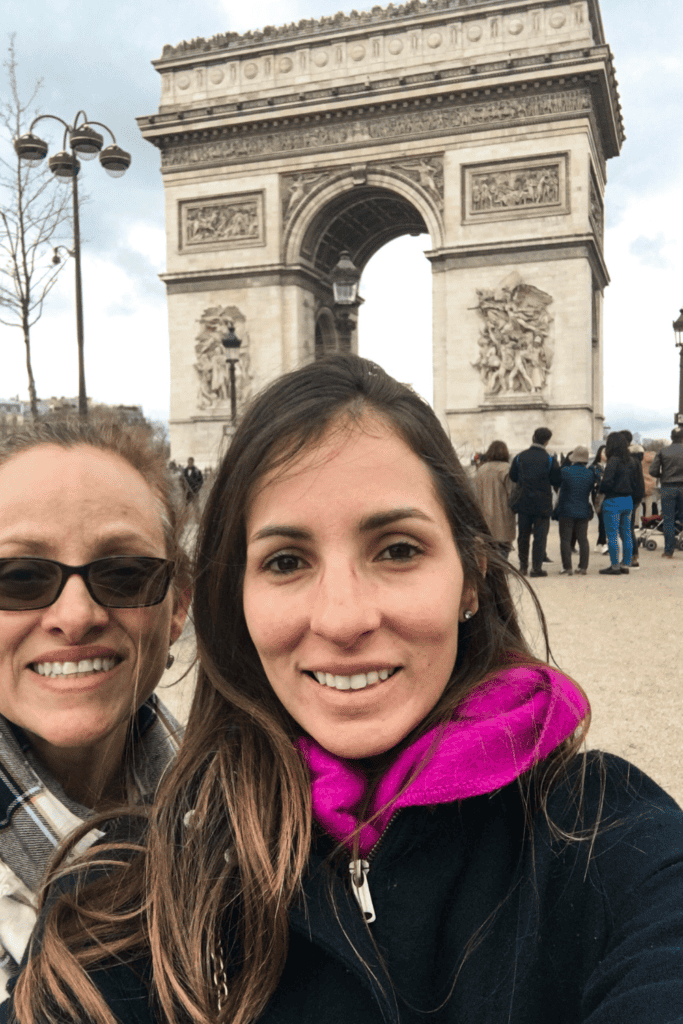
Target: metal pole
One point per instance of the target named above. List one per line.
(82, 399)
(233, 396)
(680, 393)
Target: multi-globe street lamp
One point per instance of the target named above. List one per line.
(345, 277)
(678, 334)
(86, 143)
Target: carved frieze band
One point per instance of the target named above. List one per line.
(425, 171)
(223, 222)
(515, 189)
(427, 121)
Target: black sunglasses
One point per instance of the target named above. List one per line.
(123, 581)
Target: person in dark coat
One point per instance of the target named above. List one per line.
(379, 812)
(668, 466)
(573, 509)
(620, 481)
(537, 473)
(193, 478)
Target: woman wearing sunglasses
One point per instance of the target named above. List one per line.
(379, 812)
(92, 584)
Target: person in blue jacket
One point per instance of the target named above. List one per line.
(573, 509)
(379, 812)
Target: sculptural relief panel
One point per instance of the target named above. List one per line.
(515, 347)
(514, 189)
(212, 364)
(223, 222)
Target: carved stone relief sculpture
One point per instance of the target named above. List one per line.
(428, 173)
(460, 117)
(295, 188)
(226, 222)
(211, 365)
(515, 351)
(510, 190)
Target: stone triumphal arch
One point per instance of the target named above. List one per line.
(485, 123)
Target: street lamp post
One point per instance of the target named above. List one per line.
(678, 334)
(345, 277)
(85, 142)
(232, 343)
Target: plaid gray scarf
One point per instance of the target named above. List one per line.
(36, 815)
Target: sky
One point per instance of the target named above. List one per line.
(97, 57)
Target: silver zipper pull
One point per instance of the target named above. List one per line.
(361, 890)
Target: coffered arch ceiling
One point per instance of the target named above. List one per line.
(360, 221)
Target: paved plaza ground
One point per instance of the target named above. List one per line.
(619, 637)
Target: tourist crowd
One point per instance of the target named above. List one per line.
(635, 496)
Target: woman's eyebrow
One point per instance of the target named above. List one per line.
(375, 521)
(293, 532)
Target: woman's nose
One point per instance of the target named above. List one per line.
(75, 613)
(345, 606)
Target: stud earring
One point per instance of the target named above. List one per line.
(467, 615)
(169, 660)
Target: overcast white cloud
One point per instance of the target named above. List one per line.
(98, 57)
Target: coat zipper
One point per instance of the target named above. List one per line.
(359, 870)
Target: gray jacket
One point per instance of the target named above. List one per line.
(668, 466)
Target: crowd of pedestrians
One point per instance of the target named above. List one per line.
(618, 486)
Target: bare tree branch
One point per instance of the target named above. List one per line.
(34, 211)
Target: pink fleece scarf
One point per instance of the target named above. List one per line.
(500, 731)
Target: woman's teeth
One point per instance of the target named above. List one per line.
(73, 668)
(357, 682)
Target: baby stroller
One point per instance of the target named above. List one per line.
(651, 533)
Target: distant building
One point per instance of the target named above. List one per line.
(14, 412)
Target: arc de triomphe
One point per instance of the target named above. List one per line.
(486, 123)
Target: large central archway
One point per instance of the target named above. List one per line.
(358, 213)
(486, 125)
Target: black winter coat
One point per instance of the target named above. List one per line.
(560, 933)
(537, 472)
(622, 479)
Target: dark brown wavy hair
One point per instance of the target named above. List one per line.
(228, 840)
(497, 451)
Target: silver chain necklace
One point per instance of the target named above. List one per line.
(219, 974)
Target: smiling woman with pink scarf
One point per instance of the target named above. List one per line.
(379, 812)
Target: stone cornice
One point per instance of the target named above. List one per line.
(378, 18)
(276, 274)
(524, 251)
(200, 138)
